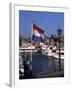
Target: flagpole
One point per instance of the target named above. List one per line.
(31, 43)
(31, 48)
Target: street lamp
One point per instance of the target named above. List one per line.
(59, 32)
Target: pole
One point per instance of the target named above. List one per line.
(31, 50)
(59, 55)
(59, 32)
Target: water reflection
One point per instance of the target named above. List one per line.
(41, 63)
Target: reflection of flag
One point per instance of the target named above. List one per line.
(38, 34)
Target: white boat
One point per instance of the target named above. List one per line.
(50, 53)
(56, 55)
(28, 49)
(47, 52)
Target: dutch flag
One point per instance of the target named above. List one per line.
(38, 34)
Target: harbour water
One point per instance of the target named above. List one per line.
(42, 63)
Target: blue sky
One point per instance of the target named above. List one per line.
(48, 21)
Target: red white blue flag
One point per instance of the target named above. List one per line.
(38, 34)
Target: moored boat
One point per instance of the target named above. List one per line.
(56, 55)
